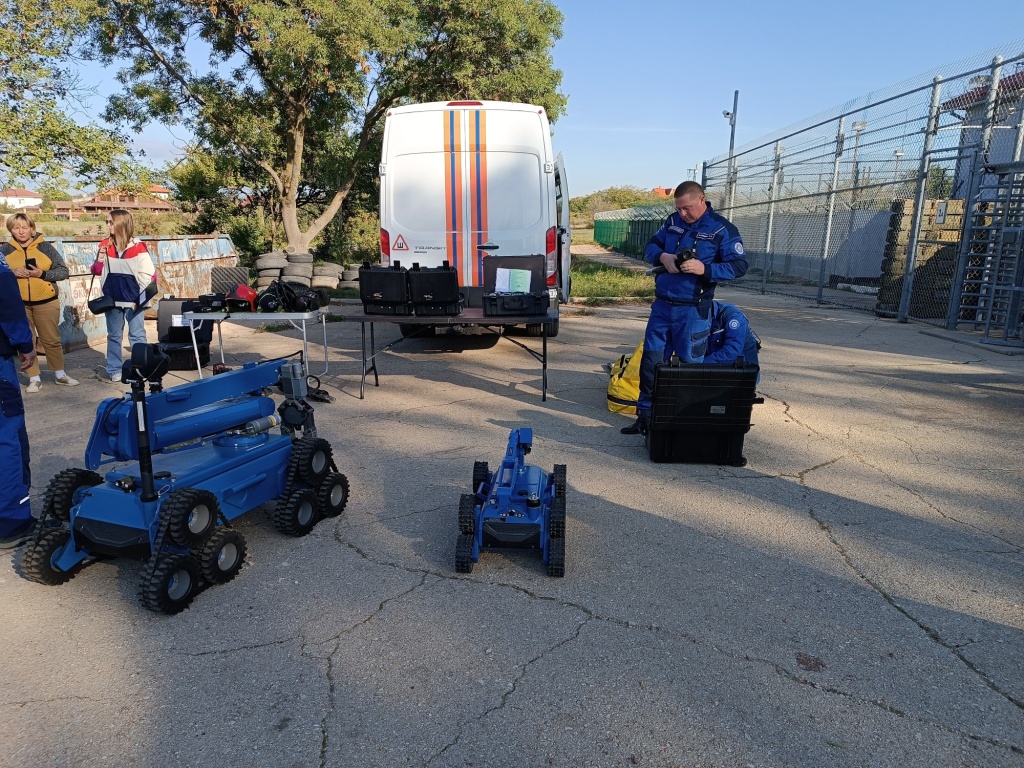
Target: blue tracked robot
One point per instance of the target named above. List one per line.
(518, 506)
(189, 460)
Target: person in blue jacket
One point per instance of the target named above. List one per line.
(680, 319)
(16, 340)
(730, 336)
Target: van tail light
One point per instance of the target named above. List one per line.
(551, 246)
(385, 248)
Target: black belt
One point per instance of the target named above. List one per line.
(688, 303)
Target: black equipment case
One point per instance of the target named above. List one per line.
(533, 302)
(385, 290)
(175, 337)
(435, 290)
(701, 411)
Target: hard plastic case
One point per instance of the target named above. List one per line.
(385, 290)
(700, 412)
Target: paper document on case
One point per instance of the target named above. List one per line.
(512, 280)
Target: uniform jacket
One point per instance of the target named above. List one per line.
(36, 290)
(126, 275)
(731, 336)
(15, 334)
(718, 245)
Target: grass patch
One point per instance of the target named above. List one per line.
(583, 236)
(596, 281)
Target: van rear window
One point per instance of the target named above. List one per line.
(513, 185)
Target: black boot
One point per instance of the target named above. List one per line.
(638, 427)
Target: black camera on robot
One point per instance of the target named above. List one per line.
(684, 254)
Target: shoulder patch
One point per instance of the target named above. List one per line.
(739, 248)
(733, 324)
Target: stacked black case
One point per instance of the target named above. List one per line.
(700, 412)
(434, 291)
(385, 290)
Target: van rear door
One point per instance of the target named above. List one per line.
(493, 160)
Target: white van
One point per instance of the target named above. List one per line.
(460, 180)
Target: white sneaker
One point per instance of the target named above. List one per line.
(67, 381)
(34, 386)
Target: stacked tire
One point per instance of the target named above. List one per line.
(299, 269)
(269, 267)
(326, 276)
(349, 278)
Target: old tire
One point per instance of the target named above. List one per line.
(467, 514)
(464, 553)
(191, 515)
(222, 556)
(333, 495)
(64, 491)
(297, 514)
(481, 474)
(313, 460)
(172, 584)
(38, 556)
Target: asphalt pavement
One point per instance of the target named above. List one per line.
(853, 596)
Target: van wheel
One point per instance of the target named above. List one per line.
(552, 329)
(412, 329)
(534, 329)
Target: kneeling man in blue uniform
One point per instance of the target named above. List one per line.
(731, 336)
(680, 320)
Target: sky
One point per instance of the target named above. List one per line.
(648, 80)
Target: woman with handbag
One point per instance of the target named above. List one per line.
(38, 267)
(127, 273)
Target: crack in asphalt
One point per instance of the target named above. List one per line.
(788, 413)
(881, 705)
(510, 689)
(929, 631)
(593, 616)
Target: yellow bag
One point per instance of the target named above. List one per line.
(624, 382)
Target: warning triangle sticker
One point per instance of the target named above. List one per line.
(400, 244)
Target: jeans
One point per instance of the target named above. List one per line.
(116, 318)
(671, 328)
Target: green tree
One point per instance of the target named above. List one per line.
(582, 209)
(300, 89)
(940, 183)
(38, 140)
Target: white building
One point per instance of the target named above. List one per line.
(21, 199)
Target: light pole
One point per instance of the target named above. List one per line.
(858, 126)
(896, 155)
(731, 117)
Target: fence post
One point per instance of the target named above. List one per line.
(769, 257)
(831, 206)
(922, 188)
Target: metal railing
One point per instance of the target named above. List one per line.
(864, 205)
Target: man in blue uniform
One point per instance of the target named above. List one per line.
(680, 319)
(16, 340)
(730, 336)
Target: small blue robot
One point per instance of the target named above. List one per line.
(518, 506)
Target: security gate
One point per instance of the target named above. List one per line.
(991, 266)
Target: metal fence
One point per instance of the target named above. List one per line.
(870, 205)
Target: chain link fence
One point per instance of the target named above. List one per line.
(867, 205)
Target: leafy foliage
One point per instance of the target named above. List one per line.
(582, 209)
(38, 140)
(298, 91)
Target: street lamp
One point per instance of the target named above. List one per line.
(731, 117)
(896, 155)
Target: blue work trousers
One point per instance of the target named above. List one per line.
(671, 328)
(15, 479)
